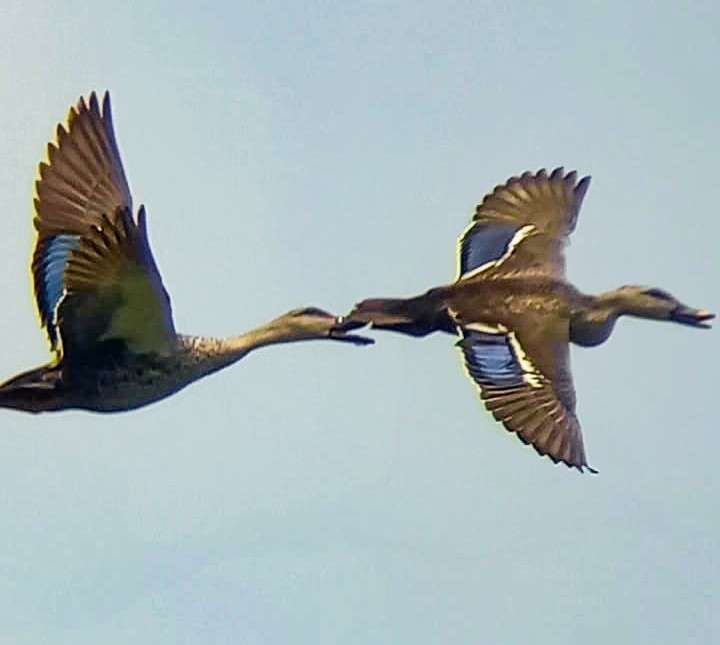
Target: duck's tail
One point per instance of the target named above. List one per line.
(416, 316)
(37, 390)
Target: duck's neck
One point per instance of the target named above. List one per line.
(593, 318)
(209, 355)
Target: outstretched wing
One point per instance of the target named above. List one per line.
(525, 382)
(93, 270)
(544, 205)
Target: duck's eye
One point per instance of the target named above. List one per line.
(660, 294)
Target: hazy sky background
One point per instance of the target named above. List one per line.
(318, 153)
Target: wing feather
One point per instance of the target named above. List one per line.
(111, 294)
(548, 202)
(521, 392)
(90, 254)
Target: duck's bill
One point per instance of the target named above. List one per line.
(341, 332)
(323, 324)
(692, 317)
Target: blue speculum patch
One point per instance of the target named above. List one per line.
(56, 256)
(491, 359)
(483, 243)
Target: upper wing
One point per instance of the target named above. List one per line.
(112, 291)
(84, 223)
(545, 204)
(525, 382)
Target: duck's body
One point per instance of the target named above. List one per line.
(100, 295)
(113, 379)
(516, 314)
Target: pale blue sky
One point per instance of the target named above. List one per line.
(318, 153)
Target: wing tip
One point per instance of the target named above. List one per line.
(96, 102)
(529, 177)
(579, 464)
(572, 461)
(499, 398)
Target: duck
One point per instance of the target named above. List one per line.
(514, 314)
(100, 296)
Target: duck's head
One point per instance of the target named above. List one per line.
(658, 304)
(307, 323)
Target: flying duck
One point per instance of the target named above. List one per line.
(515, 314)
(100, 296)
